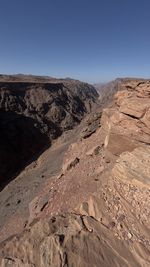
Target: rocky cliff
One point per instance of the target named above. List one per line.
(96, 212)
(33, 113)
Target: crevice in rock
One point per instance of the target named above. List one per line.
(66, 263)
(132, 116)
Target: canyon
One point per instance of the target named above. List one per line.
(75, 173)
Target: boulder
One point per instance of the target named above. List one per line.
(93, 151)
(70, 164)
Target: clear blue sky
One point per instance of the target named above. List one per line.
(91, 40)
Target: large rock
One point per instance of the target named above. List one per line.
(70, 164)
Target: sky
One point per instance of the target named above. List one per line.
(90, 40)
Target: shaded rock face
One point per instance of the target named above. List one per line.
(92, 123)
(20, 140)
(33, 114)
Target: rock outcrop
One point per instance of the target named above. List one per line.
(127, 124)
(68, 240)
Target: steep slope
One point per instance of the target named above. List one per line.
(33, 114)
(96, 212)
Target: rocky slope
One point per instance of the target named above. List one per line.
(33, 112)
(96, 212)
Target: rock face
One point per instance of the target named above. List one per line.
(108, 90)
(127, 125)
(97, 211)
(67, 240)
(33, 114)
(134, 166)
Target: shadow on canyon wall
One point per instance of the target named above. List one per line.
(21, 141)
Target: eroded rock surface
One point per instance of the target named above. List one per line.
(97, 212)
(127, 124)
(134, 166)
(68, 240)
